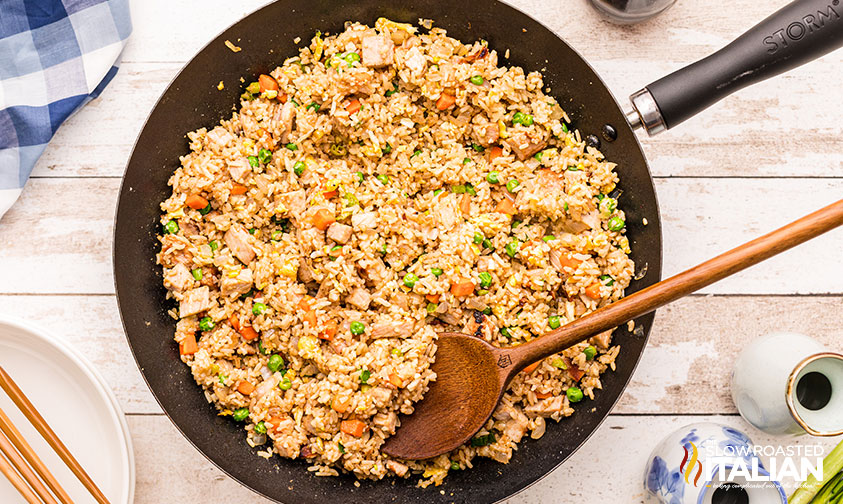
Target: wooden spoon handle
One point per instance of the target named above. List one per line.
(675, 287)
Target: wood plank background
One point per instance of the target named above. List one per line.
(749, 164)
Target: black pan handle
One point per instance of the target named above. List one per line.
(798, 33)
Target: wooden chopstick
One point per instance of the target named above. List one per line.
(8, 429)
(24, 470)
(17, 481)
(35, 418)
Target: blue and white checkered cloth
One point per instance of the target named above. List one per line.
(55, 56)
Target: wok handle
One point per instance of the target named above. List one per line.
(800, 32)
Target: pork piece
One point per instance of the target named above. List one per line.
(546, 407)
(239, 241)
(195, 301)
(380, 396)
(283, 120)
(174, 251)
(378, 51)
(178, 278)
(524, 146)
(219, 137)
(238, 169)
(294, 201)
(397, 467)
(392, 329)
(602, 340)
(414, 60)
(386, 421)
(374, 271)
(240, 284)
(365, 220)
(340, 233)
(486, 133)
(516, 426)
(446, 211)
(305, 274)
(359, 298)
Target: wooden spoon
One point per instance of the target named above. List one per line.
(472, 375)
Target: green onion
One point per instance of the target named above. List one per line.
(574, 168)
(538, 157)
(548, 238)
(292, 146)
(206, 210)
(616, 223)
(565, 127)
(607, 280)
(223, 379)
(260, 427)
(252, 231)
(410, 280)
(383, 249)
(437, 192)
(261, 349)
(431, 307)
(254, 87)
(487, 311)
(559, 364)
(416, 153)
(351, 57)
(483, 440)
(197, 273)
(365, 375)
(522, 118)
(313, 106)
(386, 149)
(515, 224)
(240, 414)
(357, 328)
(264, 156)
(258, 308)
(589, 352)
(512, 185)
(466, 160)
(485, 279)
(299, 167)
(350, 200)
(553, 321)
(247, 295)
(171, 227)
(396, 352)
(276, 235)
(436, 271)
(574, 394)
(458, 189)
(359, 176)
(253, 161)
(455, 466)
(477, 147)
(512, 248)
(383, 179)
(285, 384)
(487, 243)
(566, 206)
(492, 177)
(206, 324)
(341, 447)
(391, 91)
(478, 239)
(477, 80)
(214, 245)
(506, 332)
(470, 190)
(275, 362)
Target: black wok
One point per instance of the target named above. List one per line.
(266, 36)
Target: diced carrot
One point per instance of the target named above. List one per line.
(310, 317)
(465, 203)
(593, 290)
(567, 260)
(196, 202)
(396, 380)
(188, 346)
(532, 367)
(249, 333)
(238, 189)
(275, 422)
(245, 388)
(267, 83)
(331, 194)
(353, 427)
(462, 288)
(573, 371)
(543, 395)
(495, 152)
(445, 101)
(322, 219)
(505, 206)
(282, 97)
(329, 330)
(234, 321)
(304, 303)
(353, 106)
(340, 404)
(432, 298)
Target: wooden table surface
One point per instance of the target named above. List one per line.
(749, 164)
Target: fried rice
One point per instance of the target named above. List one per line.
(384, 185)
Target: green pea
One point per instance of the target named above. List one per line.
(589, 352)
(396, 352)
(383, 178)
(206, 324)
(365, 374)
(492, 177)
(607, 280)
(299, 167)
(206, 210)
(512, 248)
(275, 362)
(292, 147)
(410, 280)
(512, 185)
(436, 271)
(357, 328)
(264, 156)
(197, 273)
(260, 427)
(574, 394)
(538, 157)
(478, 238)
(616, 223)
(253, 161)
(171, 227)
(506, 332)
(553, 321)
(240, 414)
(285, 384)
(214, 245)
(477, 80)
(359, 176)
(252, 231)
(548, 238)
(254, 87)
(478, 147)
(466, 160)
(431, 307)
(258, 308)
(485, 279)
(313, 106)
(386, 149)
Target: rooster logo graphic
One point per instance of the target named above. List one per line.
(690, 462)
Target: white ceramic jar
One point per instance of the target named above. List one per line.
(789, 384)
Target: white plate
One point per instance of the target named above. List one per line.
(76, 402)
